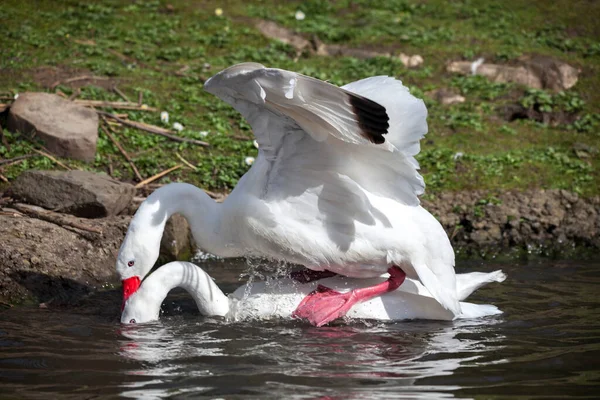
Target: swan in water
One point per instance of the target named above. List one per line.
(278, 298)
(334, 188)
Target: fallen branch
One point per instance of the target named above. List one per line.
(122, 150)
(218, 197)
(152, 129)
(140, 98)
(182, 70)
(236, 137)
(10, 161)
(61, 94)
(11, 213)
(114, 104)
(79, 78)
(53, 217)
(75, 94)
(157, 176)
(186, 162)
(123, 95)
(3, 178)
(48, 156)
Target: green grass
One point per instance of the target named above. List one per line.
(157, 42)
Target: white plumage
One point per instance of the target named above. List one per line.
(334, 186)
(278, 298)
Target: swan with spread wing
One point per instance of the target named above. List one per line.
(334, 188)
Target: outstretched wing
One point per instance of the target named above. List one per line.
(367, 131)
(324, 152)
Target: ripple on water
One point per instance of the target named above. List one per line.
(547, 344)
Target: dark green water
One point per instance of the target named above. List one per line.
(546, 345)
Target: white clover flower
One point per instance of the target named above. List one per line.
(255, 143)
(177, 126)
(164, 117)
(16, 96)
(249, 160)
(203, 133)
(300, 15)
(218, 12)
(457, 155)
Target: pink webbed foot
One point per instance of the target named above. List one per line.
(324, 304)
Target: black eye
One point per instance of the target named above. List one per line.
(132, 321)
(130, 263)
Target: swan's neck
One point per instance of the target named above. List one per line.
(209, 298)
(202, 213)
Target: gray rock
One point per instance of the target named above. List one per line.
(81, 193)
(538, 72)
(445, 96)
(176, 243)
(554, 219)
(48, 262)
(67, 129)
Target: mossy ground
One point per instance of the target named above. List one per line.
(160, 38)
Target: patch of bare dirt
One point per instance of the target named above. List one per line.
(314, 45)
(50, 77)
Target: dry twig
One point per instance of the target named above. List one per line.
(236, 137)
(157, 176)
(186, 162)
(48, 156)
(79, 78)
(182, 70)
(114, 104)
(123, 95)
(53, 217)
(122, 150)
(75, 94)
(4, 107)
(152, 129)
(11, 161)
(6, 211)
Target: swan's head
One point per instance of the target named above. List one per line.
(138, 310)
(137, 256)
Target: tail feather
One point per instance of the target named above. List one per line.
(470, 282)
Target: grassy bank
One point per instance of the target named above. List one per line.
(165, 49)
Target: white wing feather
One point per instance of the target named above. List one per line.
(320, 174)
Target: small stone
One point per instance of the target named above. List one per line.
(81, 193)
(67, 129)
(538, 72)
(445, 96)
(176, 242)
(411, 61)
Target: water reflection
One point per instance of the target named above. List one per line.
(289, 353)
(546, 344)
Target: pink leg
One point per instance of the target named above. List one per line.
(324, 304)
(308, 275)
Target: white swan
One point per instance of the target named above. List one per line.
(334, 187)
(278, 298)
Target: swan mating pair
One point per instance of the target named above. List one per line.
(278, 298)
(334, 188)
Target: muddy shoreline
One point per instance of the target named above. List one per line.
(52, 264)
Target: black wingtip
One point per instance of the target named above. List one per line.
(372, 117)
